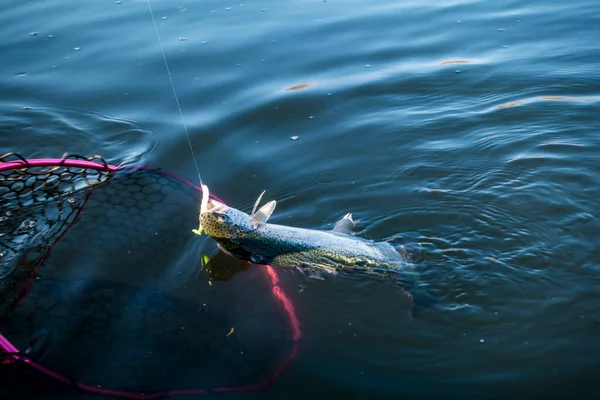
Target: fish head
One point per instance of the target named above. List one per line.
(220, 221)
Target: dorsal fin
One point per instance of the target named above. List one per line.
(345, 225)
(257, 202)
(263, 214)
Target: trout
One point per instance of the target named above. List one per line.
(315, 252)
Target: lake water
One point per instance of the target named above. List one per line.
(470, 127)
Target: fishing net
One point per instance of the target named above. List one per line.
(122, 302)
(38, 202)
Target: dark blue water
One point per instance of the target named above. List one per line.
(469, 127)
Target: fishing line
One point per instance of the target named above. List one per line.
(174, 92)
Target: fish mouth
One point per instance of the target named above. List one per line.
(209, 205)
(205, 198)
(213, 205)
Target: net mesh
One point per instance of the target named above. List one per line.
(123, 300)
(32, 184)
(37, 205)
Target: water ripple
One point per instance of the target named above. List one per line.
(73, 131)
(468, 127)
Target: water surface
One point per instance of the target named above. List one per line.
(470, 127)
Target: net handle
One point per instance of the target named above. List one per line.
(12, 351)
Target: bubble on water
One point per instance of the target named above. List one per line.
(71, 200)
(263, 9)
(2, 254)
(21, 74)
(33, 34)
(501, 30)
(457, 71)
(182, 39)
(311, 117)
(3, 219)
(28, 224)
(481, 340)
(204, 42)
(8, 213)
(325, 178)
(165, 17)
(294, 137)
(368, 66)
(77, 48)
(228, 8)
(117, 1)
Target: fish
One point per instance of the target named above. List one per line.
(317, 253)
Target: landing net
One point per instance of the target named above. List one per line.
(102, 289)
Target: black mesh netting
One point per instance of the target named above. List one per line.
(37, 205)
(122, 300)
(34, 185)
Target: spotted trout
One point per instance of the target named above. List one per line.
(315, 252)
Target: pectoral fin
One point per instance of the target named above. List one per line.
(345, 225)
(264, 213)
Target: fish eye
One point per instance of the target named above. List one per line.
(222, 218)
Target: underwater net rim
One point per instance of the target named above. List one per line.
(76, 161)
